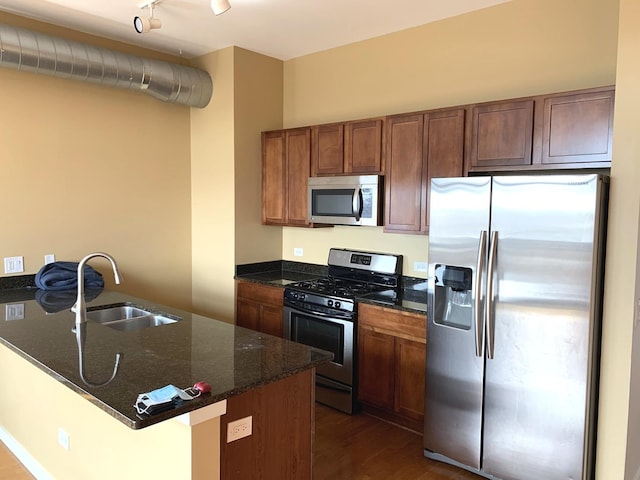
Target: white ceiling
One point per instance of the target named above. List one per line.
(282, 29)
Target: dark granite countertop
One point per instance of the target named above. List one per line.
(280, 272)
(410, 297)
(232, 359)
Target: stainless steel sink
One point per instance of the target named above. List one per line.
(128, 317)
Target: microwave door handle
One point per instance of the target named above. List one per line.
(356, 203)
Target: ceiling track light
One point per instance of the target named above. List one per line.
(144, 24)
(220, 6)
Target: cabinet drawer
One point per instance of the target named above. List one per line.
(260, 293)
(411, 326)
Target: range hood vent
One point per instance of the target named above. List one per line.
(39, 53)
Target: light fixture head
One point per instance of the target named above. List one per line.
(220, 6)
(143, 24)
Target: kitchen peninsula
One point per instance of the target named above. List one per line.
(67, 409)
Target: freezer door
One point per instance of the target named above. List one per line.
(459, 214)
(537, 386)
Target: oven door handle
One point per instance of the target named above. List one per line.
(337, 315)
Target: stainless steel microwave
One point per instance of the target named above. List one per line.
(345, 200)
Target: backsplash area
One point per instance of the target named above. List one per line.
(316, 242)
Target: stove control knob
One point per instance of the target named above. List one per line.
(302, 296)
(330, 303)
(337, 304)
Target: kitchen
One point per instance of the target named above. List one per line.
(116, 138)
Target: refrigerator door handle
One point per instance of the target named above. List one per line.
(490, 288)
(479, 324)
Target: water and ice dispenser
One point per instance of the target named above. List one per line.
(453, 296)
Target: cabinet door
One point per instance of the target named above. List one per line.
(260, 307)
(376, 368)
(247, 314)
(410, 373)
(273, 178)
(271, 320)
(443, 147)
(403, 180)
(328, 150)
(363, 149)
(502, 134)
(578, 128)
(298, 154)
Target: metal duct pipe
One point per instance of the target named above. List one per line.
(39, 53)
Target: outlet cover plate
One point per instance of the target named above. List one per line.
(239, 429)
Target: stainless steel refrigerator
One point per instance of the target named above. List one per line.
(513, 324)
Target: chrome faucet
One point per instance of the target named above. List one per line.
(80, 307)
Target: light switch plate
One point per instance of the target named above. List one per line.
(13, 264)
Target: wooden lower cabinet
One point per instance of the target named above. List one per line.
(260, 307)
(391, 368)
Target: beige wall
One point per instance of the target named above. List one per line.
(212, 191)
(619, 433)
(226, 173)
(519, 48)
(258, 107)
(88, 168)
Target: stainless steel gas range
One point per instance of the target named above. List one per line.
(322, 313)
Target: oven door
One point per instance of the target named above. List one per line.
(328, 333)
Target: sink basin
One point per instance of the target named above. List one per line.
(129, 317)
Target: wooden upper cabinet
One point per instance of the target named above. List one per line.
(403, 177)
(443, 151)
(420, 147)
(286, 160)
(347, 148)
(298, 149)
(578, 128)
(328, 150)
(560, 130)
(502, 134)
(274, 171)
(363, 147)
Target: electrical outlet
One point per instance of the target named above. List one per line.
(420, 266)
(239, 429)
(63, 439)
(298, 252)
(50, 258)
(13, 264)
(14, 311)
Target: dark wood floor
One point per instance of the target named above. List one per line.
(347, 447)
(361, 447)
